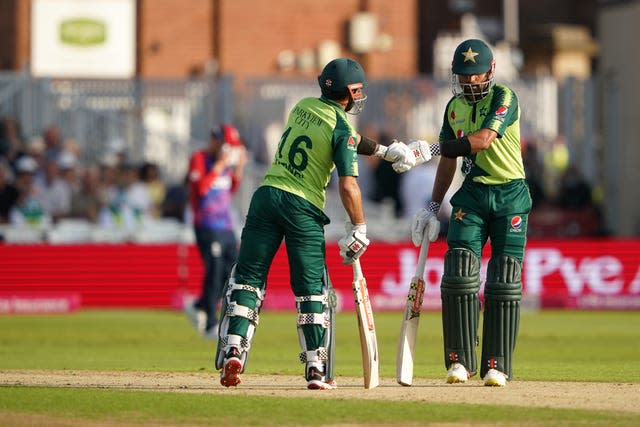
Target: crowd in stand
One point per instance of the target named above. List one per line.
(43, 180)
(565, 203)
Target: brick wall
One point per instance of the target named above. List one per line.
(175, 41)
(174, 37)
(178, 39)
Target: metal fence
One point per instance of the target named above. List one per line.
(165, 120)
(155, 120)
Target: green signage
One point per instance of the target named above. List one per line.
(83, 32)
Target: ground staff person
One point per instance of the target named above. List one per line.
(481, 124)
(289, 205)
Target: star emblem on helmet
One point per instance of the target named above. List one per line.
(470, 55)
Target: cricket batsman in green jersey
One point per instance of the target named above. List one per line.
(481, 124)
(289, 205)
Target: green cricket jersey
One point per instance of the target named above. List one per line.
(316, 139)
(498, 111)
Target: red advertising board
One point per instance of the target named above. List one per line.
(581, 274)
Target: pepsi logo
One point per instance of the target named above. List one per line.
(502, 111)
(516, 222)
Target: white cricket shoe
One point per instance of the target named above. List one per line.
(197, 317)
(457, 374)
(495, 378)
(317, 381)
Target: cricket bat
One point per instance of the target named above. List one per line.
(366, 327)
(410, 321)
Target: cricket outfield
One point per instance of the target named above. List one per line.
(122, 368)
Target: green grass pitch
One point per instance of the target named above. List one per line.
(552, 346)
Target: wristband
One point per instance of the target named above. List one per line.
(367, 146)
(433, 207)
(453, 148)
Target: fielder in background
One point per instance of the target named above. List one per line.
(481, 124)
(289, 205)
(215, 173)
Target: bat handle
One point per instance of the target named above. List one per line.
(357, 270)
(422, 257)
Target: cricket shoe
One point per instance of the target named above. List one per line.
(197, 317)
(317, 381)
(457, 374)
(495, 378)
(230, 374)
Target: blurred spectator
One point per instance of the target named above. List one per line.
(175, 200)
(386, 182)
(27, 210)
(131, 205)
(136, 192)
(556, 160)
(117, 148)
(534, 170)
(8, 192)
(150, 176)
(416, 187)
(86, 202)
(70, 145)
(10, 138)
(52, 193)
(109, 173)
(52, 141)
(574, 191)
(68, 166)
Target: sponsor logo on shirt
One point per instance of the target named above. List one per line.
(516, 224)
(502, 111)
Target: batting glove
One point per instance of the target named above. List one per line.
(425, 222)
(421, 151)
(353, 245)
(399, 154)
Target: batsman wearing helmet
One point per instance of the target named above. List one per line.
(481, 124)
(289, 205)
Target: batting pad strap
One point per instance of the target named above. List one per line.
(236, 341)
(315, 298)
(234, 309)
(314, 319)
(243, 287)
(318, 355)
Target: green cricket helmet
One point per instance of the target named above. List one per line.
(472, 57)
(343, 77)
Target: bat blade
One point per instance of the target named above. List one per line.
(411, 321)
(366, 329)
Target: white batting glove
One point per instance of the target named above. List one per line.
(353, 245)
(425, 222)
(421, 151)
(399, 154)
